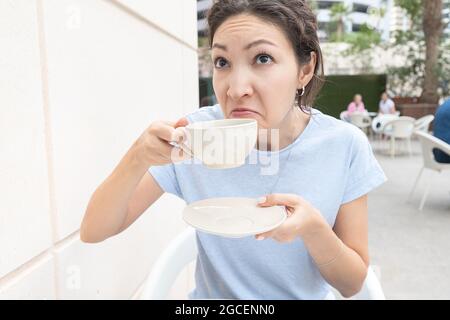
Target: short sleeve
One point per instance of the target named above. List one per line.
(166, 177)
(205, 114)
(390, 105)
(364, 173)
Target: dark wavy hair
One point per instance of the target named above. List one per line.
(298, 23)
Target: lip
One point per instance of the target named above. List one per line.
(242, 111)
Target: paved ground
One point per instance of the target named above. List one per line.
(410, 248)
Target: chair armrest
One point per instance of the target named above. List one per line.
(442, 145)
(180, 252)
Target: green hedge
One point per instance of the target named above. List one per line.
(337, 92)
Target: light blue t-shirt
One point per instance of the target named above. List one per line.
(331, 163)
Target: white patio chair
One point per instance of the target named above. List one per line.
(423, 124)
(362, 120)
(428, 143)
(380, 121)
(183, 250)
(344, 116)
(401, 128)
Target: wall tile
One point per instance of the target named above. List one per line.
(24, 207)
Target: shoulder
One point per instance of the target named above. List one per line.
(206, 114)
(444, 108)
(336, 130)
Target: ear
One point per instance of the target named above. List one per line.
(307, 71)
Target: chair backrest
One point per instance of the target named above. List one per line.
(423, 124)
(403, 127)
(183, 250)
(428, 143)
(360, 119)
(371, 289)
(180, 252)
(380, 121)
(343, 115)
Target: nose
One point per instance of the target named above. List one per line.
(239, 86)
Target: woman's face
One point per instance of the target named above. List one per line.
(255, 70)
(357, 98)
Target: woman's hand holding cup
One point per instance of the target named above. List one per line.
(153, 146)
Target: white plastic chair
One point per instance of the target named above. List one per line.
(380, 121)
(428, 143)
(344, 116)
(362, 120)
(401, 128)
(423, 124)
(180, 252)
(183, 250)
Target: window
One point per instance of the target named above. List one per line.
(360, 8)
(356, 27)
(325, 4)
(201, 14)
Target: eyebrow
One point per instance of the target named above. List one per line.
(252, 44)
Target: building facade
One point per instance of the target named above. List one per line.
(359, 12)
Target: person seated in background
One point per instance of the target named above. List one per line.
(386, 106)
(357, 105)
(441, 130)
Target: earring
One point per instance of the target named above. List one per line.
(296, 105)
(303, 91)
(297, 95)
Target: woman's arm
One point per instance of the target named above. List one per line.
(129, 190)
(350, 107)
(393, 108)
(340, 253)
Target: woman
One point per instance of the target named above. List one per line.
(357, 105)
(267, 66)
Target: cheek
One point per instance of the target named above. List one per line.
(220, 87)
(276, 98)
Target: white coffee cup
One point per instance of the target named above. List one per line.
(220, 144)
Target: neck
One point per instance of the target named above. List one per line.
(290, 128)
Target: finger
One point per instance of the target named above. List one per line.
(179, 134)
(181, 123)
(170, 123)
(178, 154)
(264, 235)
(164, 131)
(165, 149)
(280, 199)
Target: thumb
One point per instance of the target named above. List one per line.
(280, 199)
(181, 123)
(264, 235)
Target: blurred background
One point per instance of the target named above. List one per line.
(80, 80)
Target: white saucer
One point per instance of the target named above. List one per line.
(233, 217)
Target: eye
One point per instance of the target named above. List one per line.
(220, 63)
(264, 58)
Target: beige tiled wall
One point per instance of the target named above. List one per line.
(79, 82)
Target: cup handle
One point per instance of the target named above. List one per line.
(182, 145)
